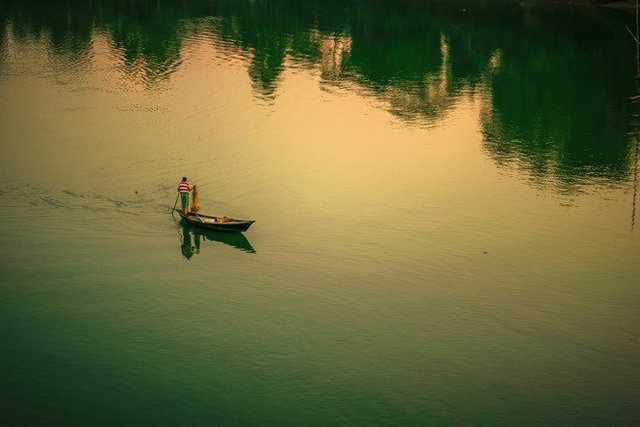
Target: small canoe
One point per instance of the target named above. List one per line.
(219, 223)
(235, 240)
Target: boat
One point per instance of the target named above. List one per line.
(193, 235)
(218, 223)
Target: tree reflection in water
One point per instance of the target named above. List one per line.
(551, 80)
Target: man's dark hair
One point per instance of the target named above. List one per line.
(184, 179)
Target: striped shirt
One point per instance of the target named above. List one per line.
(184, 187)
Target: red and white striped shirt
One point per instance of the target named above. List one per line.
(184, 187)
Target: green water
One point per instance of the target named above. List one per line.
(445, 201)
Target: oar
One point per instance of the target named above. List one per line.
(201, 220)
(174, 205)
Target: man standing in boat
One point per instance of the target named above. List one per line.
(184, 188)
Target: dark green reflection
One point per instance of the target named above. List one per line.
(557, 103)
(553, 80)
(192, 239)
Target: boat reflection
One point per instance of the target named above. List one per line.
(192, 238)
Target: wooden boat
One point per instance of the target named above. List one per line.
(235, 240)
(219, 223)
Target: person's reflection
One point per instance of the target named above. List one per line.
(187, 247)
(196, 242)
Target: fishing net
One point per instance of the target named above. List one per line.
(195, 200)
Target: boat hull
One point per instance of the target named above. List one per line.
(217, 223)
(236, 240)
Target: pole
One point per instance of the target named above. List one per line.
(636, 38)
(635, 189)
(637, 43)
(174, 205)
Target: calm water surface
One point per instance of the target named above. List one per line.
(445, 202)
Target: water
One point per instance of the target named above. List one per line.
(444, 194)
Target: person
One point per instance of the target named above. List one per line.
(184, 188)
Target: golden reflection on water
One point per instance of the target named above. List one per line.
(353, 156)
(323, 148)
